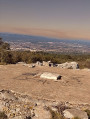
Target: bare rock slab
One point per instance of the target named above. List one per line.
(47, 75)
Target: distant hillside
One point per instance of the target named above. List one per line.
(35, 39)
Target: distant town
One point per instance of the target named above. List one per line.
(36, 43)
(50, 47)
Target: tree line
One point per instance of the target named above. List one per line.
(12, 57)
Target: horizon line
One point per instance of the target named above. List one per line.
(50, 37)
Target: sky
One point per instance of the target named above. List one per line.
(50, 18)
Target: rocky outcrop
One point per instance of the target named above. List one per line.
(69, 65)
(19, 106)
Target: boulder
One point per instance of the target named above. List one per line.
(6, 94)
(39, 63)
(51, 65)
(69, 65)
(45, 63)
(31, 65)
(41, 113)
(71, 113)
(47, 75)
(48, 63)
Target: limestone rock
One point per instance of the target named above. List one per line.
(1, 106)
(71, 113)
(19, 106)
(18, 117)
(41, 113)
(69, 65)
(39, 63)
(6, 94)
(31, 65)
(48, 63)
(21, 63)
(47, 75)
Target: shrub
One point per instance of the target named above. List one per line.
(3, 115)
(55, 115)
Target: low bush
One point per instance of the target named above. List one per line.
(55, 115)
(3, 115)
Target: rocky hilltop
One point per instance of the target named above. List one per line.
(24, 94)
(18, 106)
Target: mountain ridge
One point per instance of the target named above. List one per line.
(34, 39)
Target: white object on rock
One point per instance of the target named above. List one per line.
(47, 75)
(71, 113)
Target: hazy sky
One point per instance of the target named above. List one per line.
(54, 18)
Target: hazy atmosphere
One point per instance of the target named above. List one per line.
(50, 18)
(44, 59)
